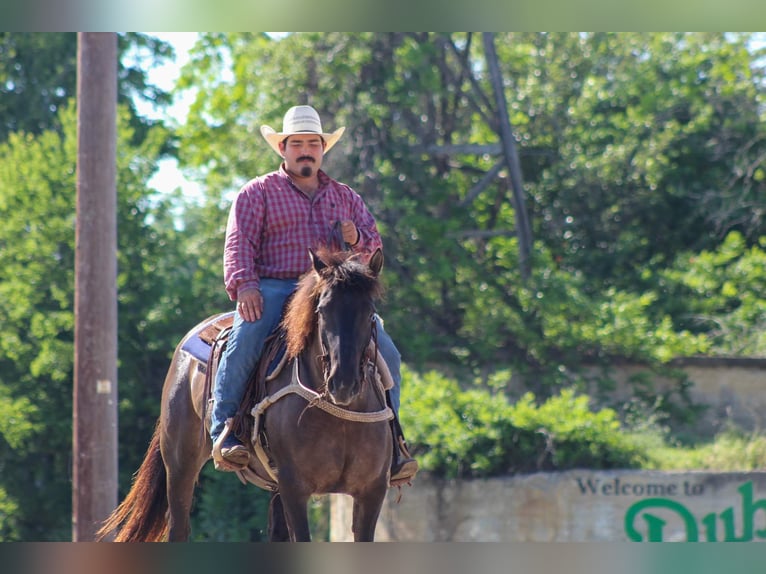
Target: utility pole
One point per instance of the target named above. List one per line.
(94, 484)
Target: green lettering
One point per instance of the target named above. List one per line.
(749, 508)
(655, 524)
(710, 529)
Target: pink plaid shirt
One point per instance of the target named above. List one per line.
(272, 224)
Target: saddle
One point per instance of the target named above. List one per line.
(212, 331)
(272, 361)
(216, 335)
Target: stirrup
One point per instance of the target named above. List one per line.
(405, 467)
(223, 463)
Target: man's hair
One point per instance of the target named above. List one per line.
(284, 141)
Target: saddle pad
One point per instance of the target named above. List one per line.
(198, 344)
(198, 347)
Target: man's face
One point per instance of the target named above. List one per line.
(303, 154)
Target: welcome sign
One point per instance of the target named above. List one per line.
(575, 506)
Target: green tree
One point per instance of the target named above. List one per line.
(413, 102)
(652, 147)
(37, 203)
(36, 267)
(38, 75)
(721, 292)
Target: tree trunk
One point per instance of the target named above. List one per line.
(523, 229)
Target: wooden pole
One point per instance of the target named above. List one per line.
(94, 484)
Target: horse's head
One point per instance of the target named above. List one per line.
(345, 308)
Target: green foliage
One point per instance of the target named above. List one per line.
(617, 138)
(37, 205)
(476, 433)
(730, 451)
(38, 76)
(722, 293)
(17, 419)
(9, 518)
(36, 348)
(225, 510)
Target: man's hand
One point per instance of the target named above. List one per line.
(350, 232)
(250, 304)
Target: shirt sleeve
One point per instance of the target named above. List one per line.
(243, 240)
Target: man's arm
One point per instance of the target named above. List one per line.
(242, 246)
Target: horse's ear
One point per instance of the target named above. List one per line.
(376, 262)
(316, 262)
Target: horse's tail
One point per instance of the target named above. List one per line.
(142, 515)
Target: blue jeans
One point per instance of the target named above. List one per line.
(245, 345)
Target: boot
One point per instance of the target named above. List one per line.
(229, 454)
(403, 466)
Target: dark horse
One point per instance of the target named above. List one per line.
(334, 437)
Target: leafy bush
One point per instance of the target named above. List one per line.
(478, 433)
(722, 293)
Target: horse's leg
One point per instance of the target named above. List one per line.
(184, 444)
(366, 512)
(295, 505)
(182, 478)
(278, 531)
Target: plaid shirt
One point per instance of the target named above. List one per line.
(272, 224)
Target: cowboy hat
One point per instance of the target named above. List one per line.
(300, 120)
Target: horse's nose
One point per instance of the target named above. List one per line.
(341, 390)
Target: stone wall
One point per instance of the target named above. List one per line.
(733, 389)
(572, 506)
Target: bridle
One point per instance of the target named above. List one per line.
(368, 357)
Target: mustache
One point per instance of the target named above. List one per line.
(306, 157)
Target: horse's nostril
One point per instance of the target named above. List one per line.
(341, 393)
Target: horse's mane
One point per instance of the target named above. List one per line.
(343, 271)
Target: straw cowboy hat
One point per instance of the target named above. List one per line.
(300, 120)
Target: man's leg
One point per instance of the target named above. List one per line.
(238, 360)
(403, 466)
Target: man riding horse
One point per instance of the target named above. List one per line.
(273, 221)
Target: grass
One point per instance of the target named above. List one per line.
(730, 451)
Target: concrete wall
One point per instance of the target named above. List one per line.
(573, 506)
(733, 389)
